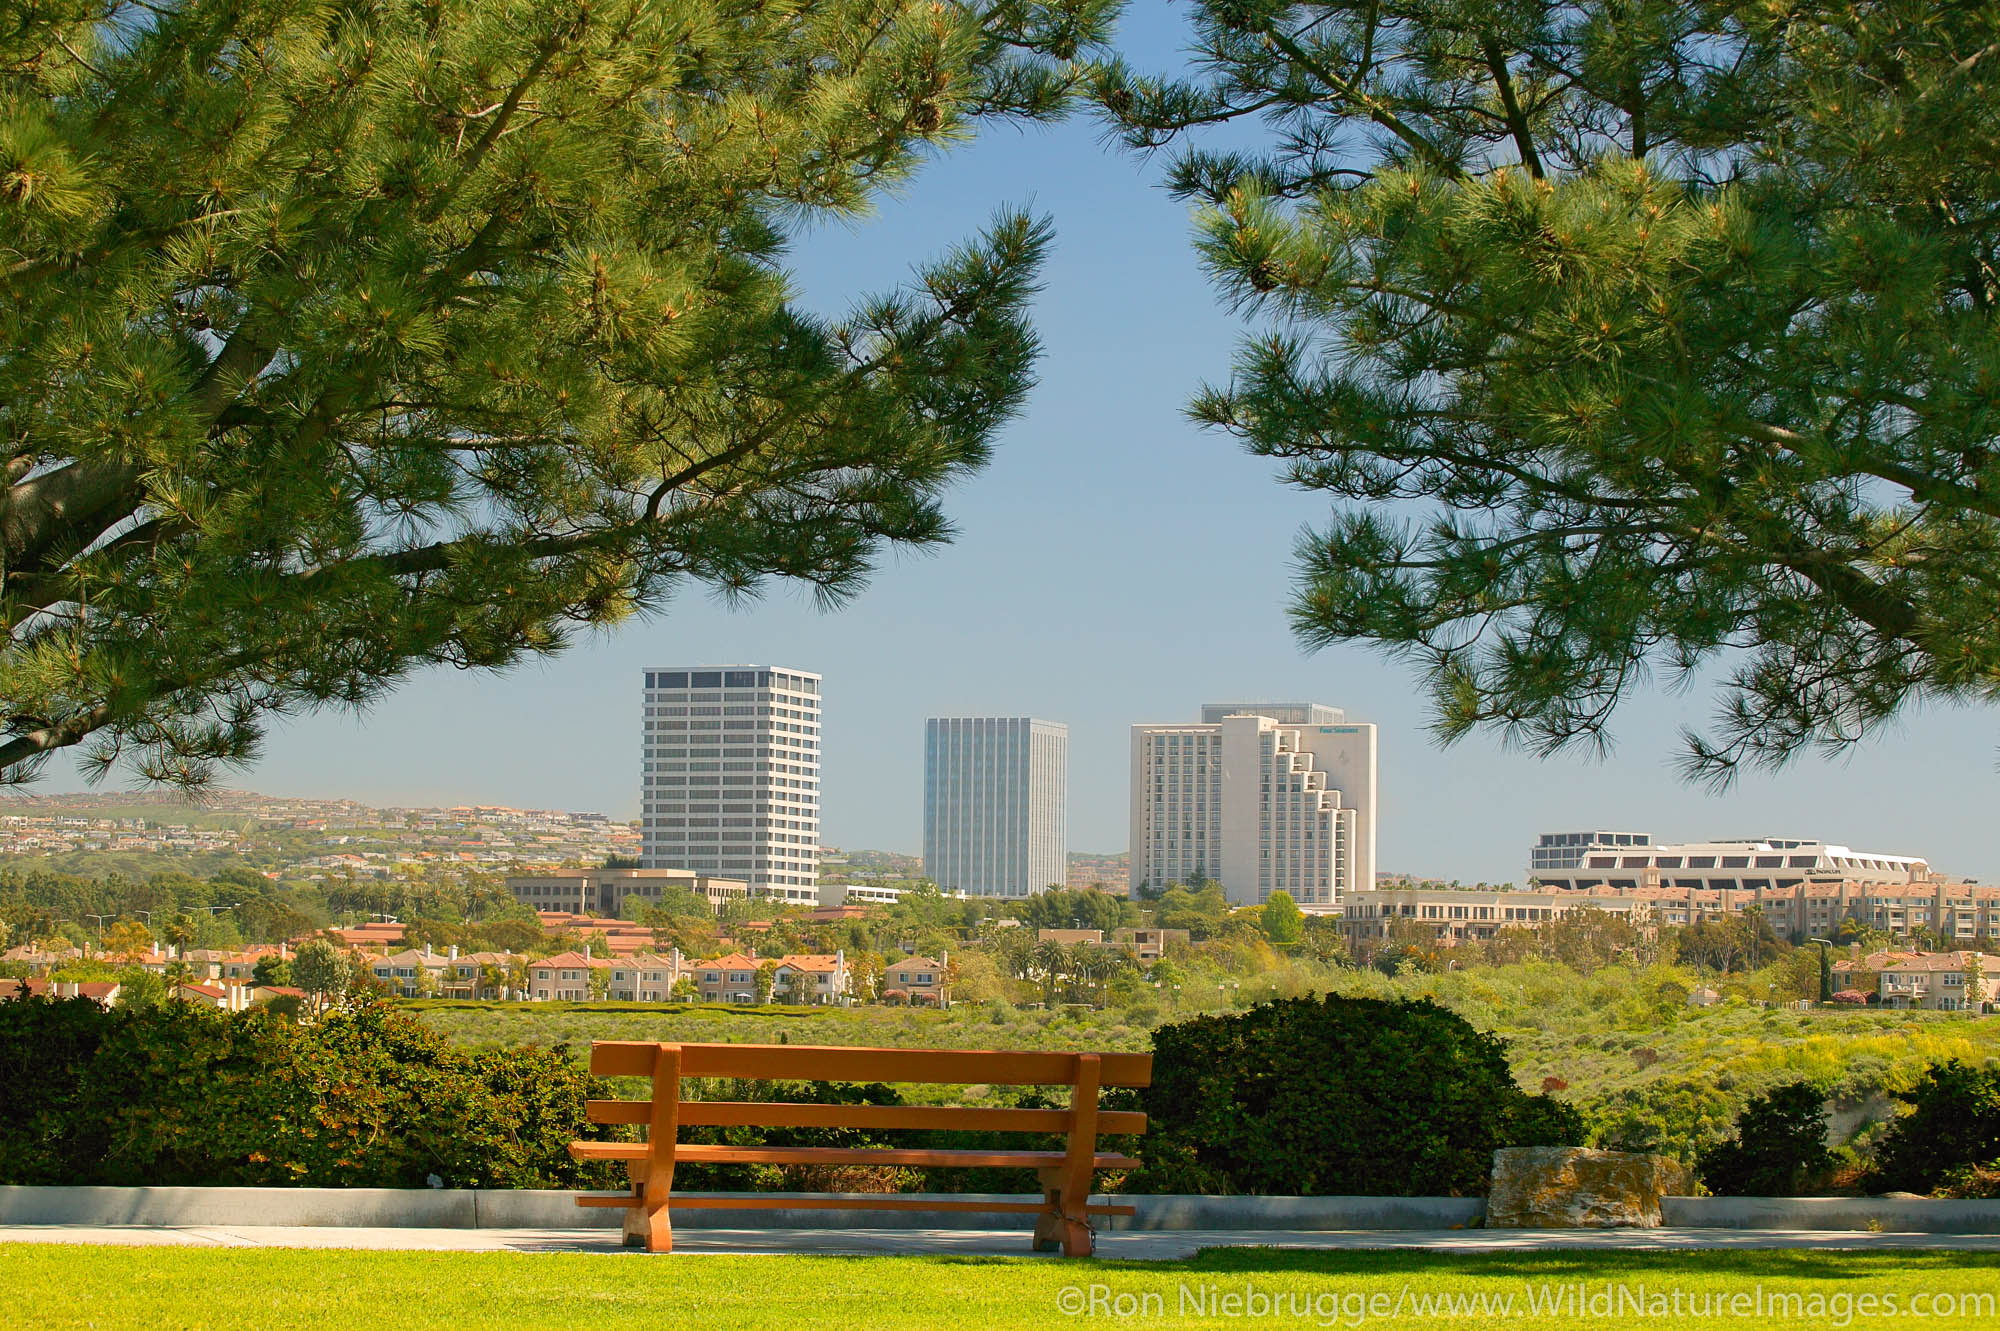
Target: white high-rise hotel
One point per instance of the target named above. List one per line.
(996, 795)
(731, 773)
(1257, 797)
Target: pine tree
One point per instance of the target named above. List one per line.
(341, 341)
(1636, 337)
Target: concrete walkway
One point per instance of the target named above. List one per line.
(1150, 1245)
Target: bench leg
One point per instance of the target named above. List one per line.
(1062, 1225)
(648, 1224)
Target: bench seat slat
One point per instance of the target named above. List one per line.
(840, 1155)
(885, 1202)
(780, 1114)
(805, 1062)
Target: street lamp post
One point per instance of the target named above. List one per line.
(100, 927)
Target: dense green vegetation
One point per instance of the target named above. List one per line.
(1336, 1096)
(178, 1094)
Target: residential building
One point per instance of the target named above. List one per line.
(918, 981)
(1749, 864)
(480, 975)
(1556, 851)
(726, 979)
(996, 796)
(1460, 916)
(1256, 802)
(1938, 981)
(414, 973)
(1071, 937)
(565, 977)
(1800, 911)
(225, 997)
(731, 773)
(645, 977)
(605, 891)
(380, 934)
(35, 958)
(814, 978)
(104, 993)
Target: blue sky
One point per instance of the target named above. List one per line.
(1114, 565)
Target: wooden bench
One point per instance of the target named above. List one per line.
(1063, 1212)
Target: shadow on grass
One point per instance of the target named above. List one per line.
(1705, 1265)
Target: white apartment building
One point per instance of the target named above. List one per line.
(1256, 803)
(1750, 864)
(996, 798)
(1565, 850)
(731, 775)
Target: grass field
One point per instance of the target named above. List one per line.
(52, 1287)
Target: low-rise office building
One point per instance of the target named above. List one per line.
(605, 891)
(1763, 863)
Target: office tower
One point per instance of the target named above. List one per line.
(996, 793)
(731, 774)
(1256, 797)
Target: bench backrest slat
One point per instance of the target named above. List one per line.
(787, 1114)
(793, 1062)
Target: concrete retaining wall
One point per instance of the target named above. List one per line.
(396, 1208)
(393, 1208)
(1891, 1215)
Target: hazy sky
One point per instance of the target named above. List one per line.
(1114, 565)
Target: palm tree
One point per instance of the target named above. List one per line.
(180, 932)
(1053, 959)
(1083, 964)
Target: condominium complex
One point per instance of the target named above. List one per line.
(1457, 915)
(731, 775)
(1257, 797)
(1799, 911)
(1750, 864)
(1565, 850)
(996, 794)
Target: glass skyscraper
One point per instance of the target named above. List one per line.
(996, 798)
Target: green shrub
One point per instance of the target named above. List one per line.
(1952, 1130)
(181, 1094)
(1336, 1096)
(1779, 1149)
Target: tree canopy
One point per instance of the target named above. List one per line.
(1637, 337)
(337, 342)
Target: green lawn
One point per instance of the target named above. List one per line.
(50, 1287)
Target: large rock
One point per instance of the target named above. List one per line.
(1569, 1187)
